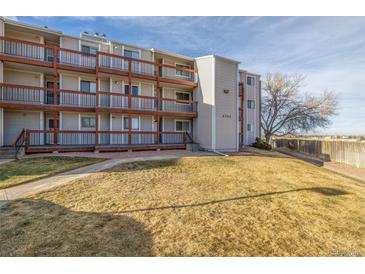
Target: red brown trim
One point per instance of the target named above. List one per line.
(178, 68)
(179, 101)
(76, 69)
(26, 42)
(22, 60)
(47, 107)
(18, 138)
(179, 82)
(77, 52)
(25, 87)
(65, 148)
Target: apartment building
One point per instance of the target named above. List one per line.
(64, 93)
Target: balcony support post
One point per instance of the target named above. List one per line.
(129, 84)
(158, 130)
(129, 129)
(158, 93)
(97, 99)
(55, 96)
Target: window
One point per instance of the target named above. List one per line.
(135, 123)
(250, 103)
(131, 53)
(250, 80)
(182, 125)
(87, 121)
(182, 96)
(250, 127)
(182, 73)
(134, 90)
(88, 49)
(50, 124)
(88, 86)
(49, 54)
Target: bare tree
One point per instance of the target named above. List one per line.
(285, 111)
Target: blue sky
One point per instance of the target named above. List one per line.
(330, 51)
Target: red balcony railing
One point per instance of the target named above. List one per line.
(177, 73)
(121, 100)
(105, 138)
(20, 94)
(77, 98)
(173, 105)
(25, 49)
(123, 63)
(74, 58)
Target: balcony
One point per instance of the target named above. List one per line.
(44, 55)
(77, 140)
(20, 95)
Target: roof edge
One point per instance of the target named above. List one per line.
(177, 55)
(219, 57)
(30, 26)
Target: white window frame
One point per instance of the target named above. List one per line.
(133, 50)
(254, 80)
(86, 44)
(133, 117)
(93, 47)
(87, 116)
(47, 123)
(252, 127)
(86, 80)
(180, 120)
(249, 104)
(139, 126)
(180, 103)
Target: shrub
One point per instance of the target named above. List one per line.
(261, 143)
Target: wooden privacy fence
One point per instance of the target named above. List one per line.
(347, 152)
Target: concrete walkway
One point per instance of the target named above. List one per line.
(4, 161)
(353, 172)
(24, 190)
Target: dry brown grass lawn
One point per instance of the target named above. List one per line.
(209, 206)
(22, 171)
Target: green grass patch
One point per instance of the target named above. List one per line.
(26, 170)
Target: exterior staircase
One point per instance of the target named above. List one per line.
(191, 144)
(7, 153)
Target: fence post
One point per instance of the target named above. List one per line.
(26, 140)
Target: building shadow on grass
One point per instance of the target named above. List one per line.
(41, 228)
(321, 190)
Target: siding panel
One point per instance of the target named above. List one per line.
(226, 105)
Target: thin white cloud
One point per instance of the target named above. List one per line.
(15, 18)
